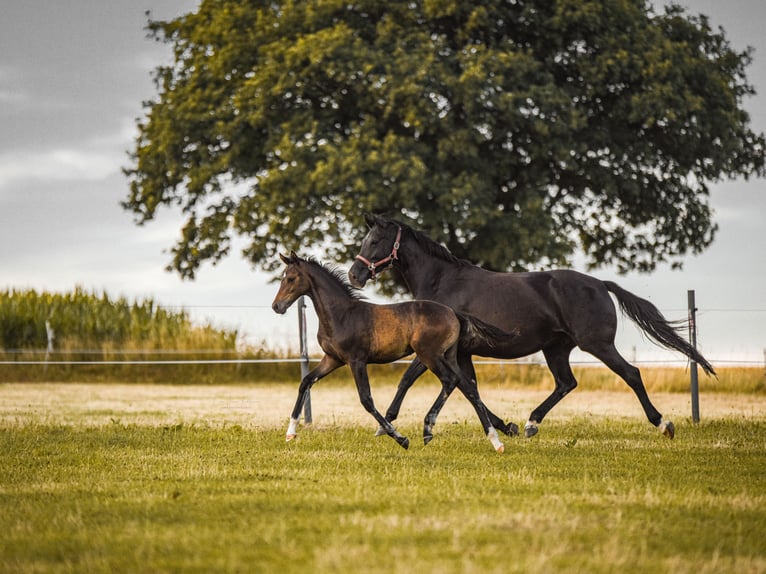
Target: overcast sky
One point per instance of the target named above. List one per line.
(73, 74)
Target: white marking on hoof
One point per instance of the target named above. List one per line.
(495, 440)
(530, 429)
(667, 428)
(292, 430)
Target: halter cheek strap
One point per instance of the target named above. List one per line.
(386, 260)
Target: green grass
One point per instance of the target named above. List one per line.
(585, 495)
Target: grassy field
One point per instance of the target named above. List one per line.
(198, 478)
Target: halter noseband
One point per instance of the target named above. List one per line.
(389, 259)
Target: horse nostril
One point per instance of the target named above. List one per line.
(354, 280)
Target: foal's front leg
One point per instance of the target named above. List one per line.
(326, 366)
(359, 370)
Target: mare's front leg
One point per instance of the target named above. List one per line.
(430, 420)
(326, 366)
(413, 372)
(359, 370)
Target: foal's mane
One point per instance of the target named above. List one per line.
(336, 274)
(431, 247)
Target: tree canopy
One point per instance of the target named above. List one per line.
(516, 132)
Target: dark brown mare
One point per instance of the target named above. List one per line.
(356, 332)
(553, 311)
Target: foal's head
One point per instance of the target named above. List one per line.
(309, 277)
(295, 283)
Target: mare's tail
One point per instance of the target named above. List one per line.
(659, 329)
(475, 333)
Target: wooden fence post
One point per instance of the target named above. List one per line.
(307, 417)
(693, 365)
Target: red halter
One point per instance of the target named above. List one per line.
(390, 259)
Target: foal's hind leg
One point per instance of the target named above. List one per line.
(450, 376)
(466, 366)
(359, 370)
(631, 375)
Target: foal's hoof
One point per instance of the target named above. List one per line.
(512, 429)
(530, 430)
(427, 438)
(668, 429)
(380, 432)
(500, 449)
(290, 437)
(404, 442)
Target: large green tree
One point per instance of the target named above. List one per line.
(513, 131)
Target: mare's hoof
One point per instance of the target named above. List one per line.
(427, 438)
(668, 429)
(405, 442)
(530, 430)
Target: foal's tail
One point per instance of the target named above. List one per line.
(659, 329)
(475, 333)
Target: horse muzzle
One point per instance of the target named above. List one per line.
(358, 275)
(280, 307)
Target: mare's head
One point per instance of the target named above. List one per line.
(378, 252)
(295, 282)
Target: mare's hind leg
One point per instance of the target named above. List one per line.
(631, 375)
(359, 370)
(557, 358)
(412, 373)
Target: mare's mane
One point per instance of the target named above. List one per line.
(336, 274)
(431, 247)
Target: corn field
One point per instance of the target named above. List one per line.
(83, 320)
(94, 327)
